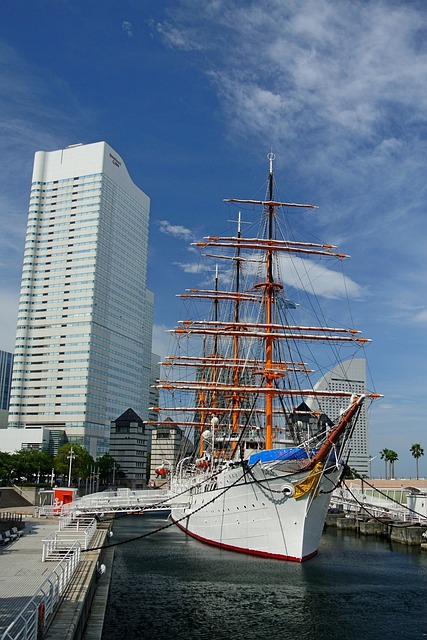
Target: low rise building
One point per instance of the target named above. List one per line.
(168, 444)
(129, 440)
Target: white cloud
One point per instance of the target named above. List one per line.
(176, 230)
(340, 91)
(175, 38)
(191, 267)
(336, 69)
(127, 28)
(312, 277)
(421, 317)
(305, 275)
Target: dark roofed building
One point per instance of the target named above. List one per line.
(129, 439)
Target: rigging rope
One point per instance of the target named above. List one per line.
(187, 515)
(175, 522)
(420, 515)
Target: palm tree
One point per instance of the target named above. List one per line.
(384, 456)
(392, 458)
(417, 451)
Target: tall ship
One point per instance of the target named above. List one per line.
(260, 457)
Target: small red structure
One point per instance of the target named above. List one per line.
(62, 496)
(162, 472)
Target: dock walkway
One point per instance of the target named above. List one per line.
(22, 573)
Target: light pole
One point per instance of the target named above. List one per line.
(370, 468)
(71, 457)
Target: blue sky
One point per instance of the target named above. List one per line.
(193, 95)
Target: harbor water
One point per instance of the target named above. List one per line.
(171, 586)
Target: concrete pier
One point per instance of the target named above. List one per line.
(402, 532)
(72, 618)
(407, 534)
(22, 573)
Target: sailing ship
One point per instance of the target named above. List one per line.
(261, 457)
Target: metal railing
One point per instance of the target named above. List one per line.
(53, 547)
(71, 529)
(368, 501)
(122, 500)
(36, 616)
(10, 515)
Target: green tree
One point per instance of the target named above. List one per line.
(31, 464)
(417, 451)
(6, 465)
(81, 463)
(108, 468)
(384, 456)
(392, 458)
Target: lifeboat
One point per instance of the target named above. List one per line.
(162, 471)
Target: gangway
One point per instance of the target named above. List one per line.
(127, 501)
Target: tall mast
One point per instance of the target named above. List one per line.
(269, 293)
(236, 398)
(215, 344)
(214, 353)
(238, 350)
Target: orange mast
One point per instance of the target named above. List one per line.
(269, 341)
(269, 245)
(223, 377)
(236, 396)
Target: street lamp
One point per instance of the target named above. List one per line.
(71, 457)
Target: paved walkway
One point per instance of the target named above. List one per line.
(22, 571)
(82, 609)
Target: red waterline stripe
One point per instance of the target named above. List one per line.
(230, 547)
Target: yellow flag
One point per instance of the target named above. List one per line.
(306, 485)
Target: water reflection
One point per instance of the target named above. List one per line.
(170, 586)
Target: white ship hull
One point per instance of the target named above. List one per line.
(257, 513)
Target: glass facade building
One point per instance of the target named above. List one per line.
(83, 342)
(6, 361)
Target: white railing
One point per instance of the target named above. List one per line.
(370, 502)
(71, 530)
(33, 620)
(50, 511)
(52, 545)
(72, 527)
(120, 501)
(123, 500)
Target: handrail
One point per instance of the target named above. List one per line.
(10, 515)
(124, 499)
(65, 537)
(36, 616)
(364, 500)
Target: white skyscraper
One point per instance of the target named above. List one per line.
(348, 376)
(83, 342)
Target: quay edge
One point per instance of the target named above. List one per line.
(392, 530)
(80, 613)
